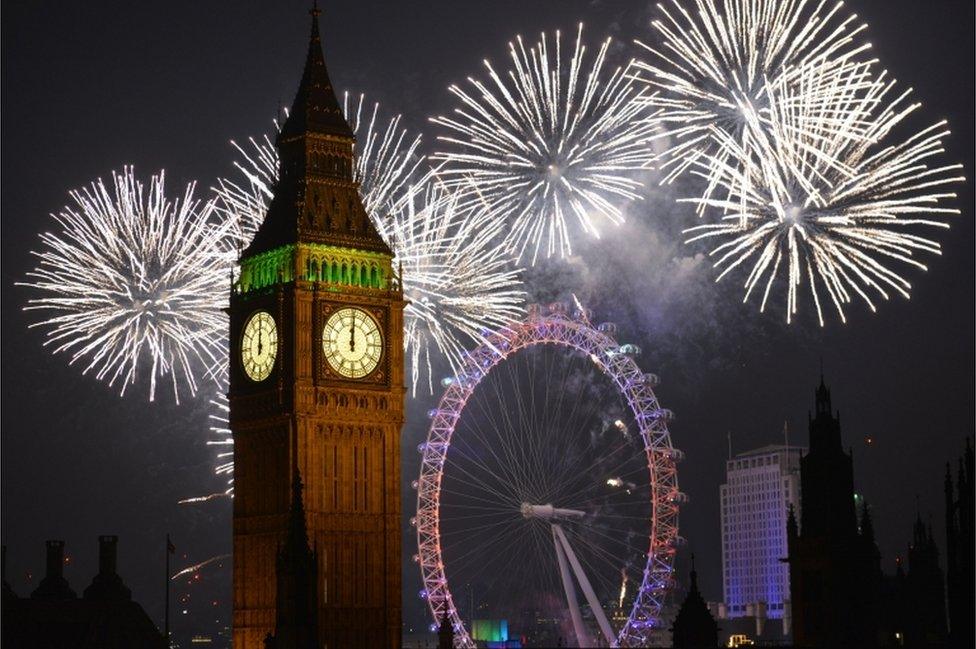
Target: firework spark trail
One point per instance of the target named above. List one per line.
(130, 277)
(199, 566)
(202, 499)
(456, 275)
(711, 67)
(550, 140)
(838, 213)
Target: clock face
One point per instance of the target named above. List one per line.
(259, 346)
(352, 343)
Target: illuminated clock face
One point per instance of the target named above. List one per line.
(352, 343)
(259, 346)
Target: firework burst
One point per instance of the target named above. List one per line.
(710, 68)
(837, 213)
(130, 278)
(457, 277)
(557, 138)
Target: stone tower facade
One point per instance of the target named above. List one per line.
(317, 386)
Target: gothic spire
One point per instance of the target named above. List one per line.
(867, 524)
(296, 544)
(296, 601)
(316, 108)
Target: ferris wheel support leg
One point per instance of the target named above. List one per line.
(582, 640)
(591, 599)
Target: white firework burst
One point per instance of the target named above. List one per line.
(710, 68)
(458, 279)
(559, 137)
(130, 284)
(838, 213)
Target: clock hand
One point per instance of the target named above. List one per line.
(352, 337)
(260, 344)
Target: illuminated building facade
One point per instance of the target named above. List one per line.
(760, 487)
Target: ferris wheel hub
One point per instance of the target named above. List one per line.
(548, 512)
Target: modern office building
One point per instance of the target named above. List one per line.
(760, 487)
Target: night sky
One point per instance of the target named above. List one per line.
(88, 87)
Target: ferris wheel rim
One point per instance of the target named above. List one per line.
(576, 332)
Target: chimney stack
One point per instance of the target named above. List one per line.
(55, 560)
(107, 585)
(54, 585)
(107, 554)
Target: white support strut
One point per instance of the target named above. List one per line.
(598, 612)
(582, 639)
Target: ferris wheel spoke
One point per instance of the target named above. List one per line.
(511, 462)
(500, 496)
(500, 489)
(468, 530)
(468, 507)
(475, 457)
(501, 541)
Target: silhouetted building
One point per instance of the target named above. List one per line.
(445, 634)
(896, 606)
(921, 596)
(297, 602)
(54, 617)
(755, 625)
(835, 571)
(694, 627)
(960, 548)
(316, 382)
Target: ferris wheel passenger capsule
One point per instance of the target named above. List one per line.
(447, 381)
(413, 521)
(676, 454)
(678, 497)
(652, 380)
(558, 309)
(608, 328)
(416, 558)
(583, 314)
(533, 310)
(630, 349)
(665, 414)
(414, 484)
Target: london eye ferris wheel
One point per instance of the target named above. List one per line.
(548, 492)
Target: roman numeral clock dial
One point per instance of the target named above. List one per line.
(352, 343)
(259, 346)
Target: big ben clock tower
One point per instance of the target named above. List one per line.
(316, 386)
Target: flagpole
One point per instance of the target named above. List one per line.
(166, 618)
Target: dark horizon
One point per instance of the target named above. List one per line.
(89, 88)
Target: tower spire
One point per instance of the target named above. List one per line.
(316, 108)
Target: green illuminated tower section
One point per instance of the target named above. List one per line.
(317, 386)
